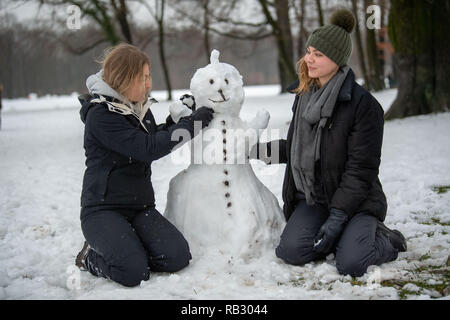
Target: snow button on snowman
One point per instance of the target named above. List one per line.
(218, 203)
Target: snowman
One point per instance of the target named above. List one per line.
(218, 203)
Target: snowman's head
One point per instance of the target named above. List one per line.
(218, 86)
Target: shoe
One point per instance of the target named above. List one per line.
(396, 238)
(80, 261)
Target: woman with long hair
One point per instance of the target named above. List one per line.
(333, 198)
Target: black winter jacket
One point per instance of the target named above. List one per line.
(350, 154)
(119, 153)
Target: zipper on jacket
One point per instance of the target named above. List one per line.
(331, 124)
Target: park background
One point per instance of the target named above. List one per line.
(49, 47)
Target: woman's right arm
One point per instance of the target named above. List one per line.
(114, 132)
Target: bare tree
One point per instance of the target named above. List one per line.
(33, 60)
(82, 41)
(121, 14)
(109, 13)
(221, 20)
(205, 5)
(300, 14)
(158, 13)
(373, 61)
(359, 45)
(281, 30)
(419, 32)
(1, 92)
(99, 11)
(320, 12)
(384, 5)
(275, 22)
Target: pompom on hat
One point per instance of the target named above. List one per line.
(334, 39)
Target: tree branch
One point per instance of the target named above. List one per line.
(234, 33)
(81, 50)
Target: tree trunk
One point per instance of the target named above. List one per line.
(104, 21)
(162, 54)
(121, 15)
(285, 45)
(320, 13)
(281, 30)
(374, 63)
(205, 4)
(1, 91)
(441, 38)
(419, 33)
(303, 34)
(359, 46)
(383, 6)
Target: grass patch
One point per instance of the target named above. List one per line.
(355, 282)
(420, 277)
(299, 282)
(403, 294)
(442, 271)
(441, 189)
(442, 288)
(424, 257)
(435, 221)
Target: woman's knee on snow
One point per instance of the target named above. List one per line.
(131, 270)
(295, 252)
(349, 263)
(176, 256)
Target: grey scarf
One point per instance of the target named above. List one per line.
(313, 110)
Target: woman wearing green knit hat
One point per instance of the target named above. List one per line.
(333, 198)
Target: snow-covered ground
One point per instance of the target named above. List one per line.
(41, 170)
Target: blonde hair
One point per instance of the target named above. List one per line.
(121, 65)
(305, 81)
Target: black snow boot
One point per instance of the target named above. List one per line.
(396, 238)
(80, 261)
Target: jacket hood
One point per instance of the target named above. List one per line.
(85, 104)
(97, 86)
(101, 92)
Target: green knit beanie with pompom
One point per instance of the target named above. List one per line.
(334, 39)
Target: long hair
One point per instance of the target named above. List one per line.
(305, 81)
(121, 65)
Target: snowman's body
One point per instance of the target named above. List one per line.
(218, 202)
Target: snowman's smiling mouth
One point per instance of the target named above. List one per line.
(214, 101)
(222, 95)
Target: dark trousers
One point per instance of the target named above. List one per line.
(359, 247)
(126, 244)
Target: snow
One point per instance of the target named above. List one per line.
(42, 164)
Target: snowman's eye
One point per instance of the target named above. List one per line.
(226, 81)
(211, 81)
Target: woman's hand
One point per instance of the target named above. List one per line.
(330, 232)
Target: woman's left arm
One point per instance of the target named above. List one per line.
(363, 156)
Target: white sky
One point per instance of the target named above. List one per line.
(28, 11)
